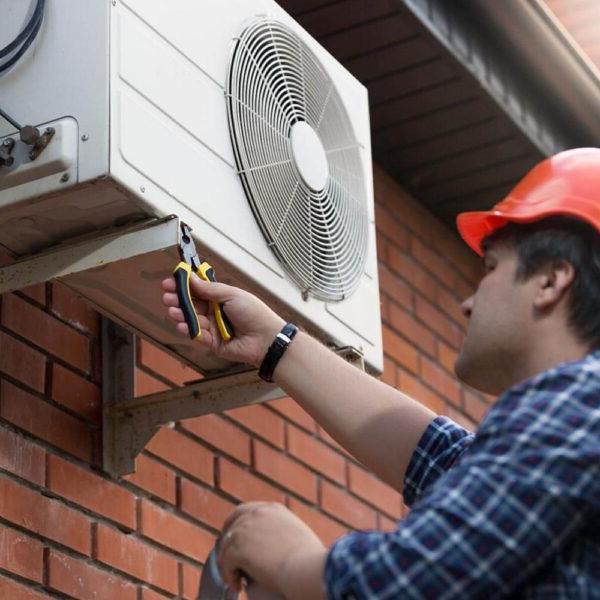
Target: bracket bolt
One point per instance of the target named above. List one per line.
(7, 142)
(65, 178)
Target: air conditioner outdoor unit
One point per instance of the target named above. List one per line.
(225, 113)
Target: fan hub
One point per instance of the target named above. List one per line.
(309, 156)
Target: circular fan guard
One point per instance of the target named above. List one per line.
(314, 217)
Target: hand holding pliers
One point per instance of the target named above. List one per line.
(191, 263)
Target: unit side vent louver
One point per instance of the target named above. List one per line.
(298, 159)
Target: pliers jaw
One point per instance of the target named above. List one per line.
(187, 249)
(191, 263)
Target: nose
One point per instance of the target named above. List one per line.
(467, 307)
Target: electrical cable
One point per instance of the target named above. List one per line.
(20, 45)
(25, 38)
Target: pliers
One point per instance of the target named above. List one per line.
(191, 262)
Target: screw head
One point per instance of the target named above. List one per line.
(85, 137)
(142, 189)
(7, 142)
(65, 178)
(29, 134)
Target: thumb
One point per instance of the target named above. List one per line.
(210, 290)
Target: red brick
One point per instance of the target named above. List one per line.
(153, 477)
(327, 529)
(337, 502)
(77, 393)
(414, 388)
(461, 256)
(175, 533)
(407, 326)
(21, 457)
(221, 434)
(439, 322)
(460, 418)
(91, 491)
(22, 362)
(384, 308)
(439, 380)
(191, 581)
(382, 248)
(315, 454)
(204, 505)
(387, 225)
(475, 405)
(389, 372)
(391, 285)
(244, 486)
(36, 292)
(450, 304)
(145, 384)
(389, 193)
(15, 591)
(261, 421)
(413, 273)
(292, 411)
(329, 440)
(400, 350)
(84, 581)
(386, 524)
(183, 453)
(46, 332)
(67, 305)
(433, 262)
(464, 289)
(446, 356)
(163, 364)
(287, 473)
(374, 491)
(44, 516)
(148, 594)
(21, 554)
(132, 556)
(45, 421)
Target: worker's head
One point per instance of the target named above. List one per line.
(541, 290)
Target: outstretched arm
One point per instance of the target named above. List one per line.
(374, 422)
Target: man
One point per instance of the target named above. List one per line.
(512, 511)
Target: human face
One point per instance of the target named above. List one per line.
(500, 314)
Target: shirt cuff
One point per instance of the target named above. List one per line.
(440, 446)
(345, 563)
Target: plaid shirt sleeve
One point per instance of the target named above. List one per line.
(502, 511)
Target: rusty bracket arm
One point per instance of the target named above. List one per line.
(129, 423)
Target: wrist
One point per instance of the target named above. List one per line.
(276, 351)
(266, 339)
(302, 574)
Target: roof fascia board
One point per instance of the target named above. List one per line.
(520, 55)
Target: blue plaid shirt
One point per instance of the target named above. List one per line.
(511, 512)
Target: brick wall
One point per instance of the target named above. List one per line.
(69, 531)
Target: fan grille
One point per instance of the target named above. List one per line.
(313, 216)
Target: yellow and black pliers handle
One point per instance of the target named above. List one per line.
(191, 263)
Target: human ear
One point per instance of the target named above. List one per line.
(553, 281)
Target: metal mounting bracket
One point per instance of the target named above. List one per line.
(129, 423)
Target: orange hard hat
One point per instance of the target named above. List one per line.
(567, 183)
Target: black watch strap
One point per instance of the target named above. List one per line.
(276, 349)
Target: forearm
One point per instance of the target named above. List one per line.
(374, 422)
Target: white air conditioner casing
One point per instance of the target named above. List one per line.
(135, 90)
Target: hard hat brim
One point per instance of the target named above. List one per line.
(475, 226)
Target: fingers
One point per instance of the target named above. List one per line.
(171, 299)
(214, 291)
(228, 558)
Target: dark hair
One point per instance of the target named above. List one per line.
(561, 238)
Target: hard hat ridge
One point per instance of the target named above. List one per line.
(567, 184)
